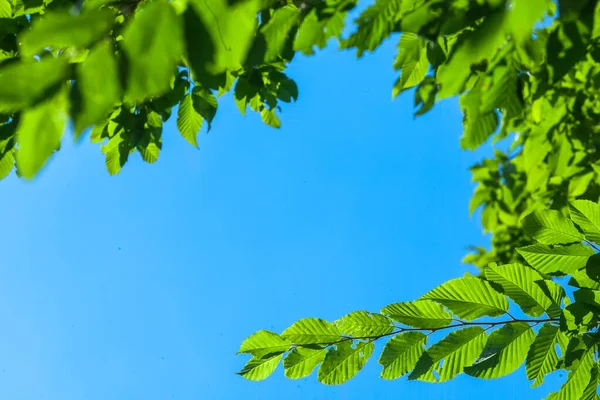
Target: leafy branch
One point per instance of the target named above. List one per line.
(475, 345)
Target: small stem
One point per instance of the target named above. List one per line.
(458, 324)
(592, 245)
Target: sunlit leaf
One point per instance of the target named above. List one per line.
(519, 283)
(469, 298)
(258, 369)
(362, 323)
(302, 361)
(504, 352)
(401, 353)
(153, 42)
(563, 259)
(344, 361)
(39, 133)
(264, 342)
(312, 331)
(457, 350)
(551, 227)
(419, 314)
(63, 29)
(542, 358)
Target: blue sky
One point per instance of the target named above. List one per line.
(143, 285)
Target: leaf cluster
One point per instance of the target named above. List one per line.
(556, 327)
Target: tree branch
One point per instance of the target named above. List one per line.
(460, 324)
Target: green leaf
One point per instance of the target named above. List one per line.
(270, 118)
(302, 361)
(578, 318)
(401, 353)
(5, 9)
(7, 163)
(504, 352)
(258, 369)
(419, 314)
(457, 350)
(525, 13)
(150, 151)
(117, 152)
(312, 331)
(99, 87)
(205, 103)
(551, 227)
(25, 83)
(469, 298)
(542, 358)
(278, 30)
(374, 25)
(363, 323)
(586, 214)
(519, 283)
(63, 29)
(478, 125)
(563, 259)
(473, 48)
(153, 42)
(580, 279)
(189, 121)
(39, 133)
(411, 61)
(425, 96)
(316, 30)
(591, 390)
(230, 30)
(344, 362)
(262, 343)
(578, 379)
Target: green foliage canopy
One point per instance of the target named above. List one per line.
(523, 70)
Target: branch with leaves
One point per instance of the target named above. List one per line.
(484, 339)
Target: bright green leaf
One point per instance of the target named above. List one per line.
(25, 83)
(258, 369)
(469, 298)
(99, 86)
(411, 61)
(542, 358)
(504, 352)
(344, 362)
(230, 30)
(302, 361)
(205, 103)
(63, 29)
(551, 227)
(316, 31)
(586, 214)
(457, 350)
(153, 42)
(312, 331)
(519, 283)
(419, 314)
(277, 31)
(578, 379)
(39, 133)
(264, 342)
(401, 353)
(363, 323)
(270, 118)
(189, 121)
(563, 259)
